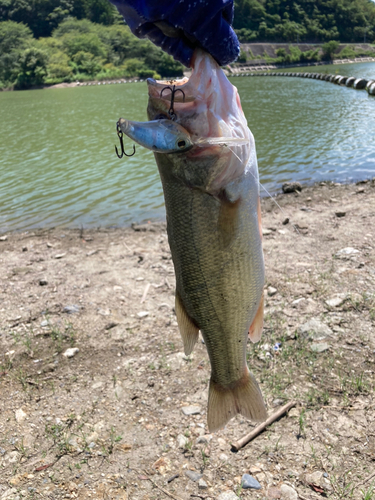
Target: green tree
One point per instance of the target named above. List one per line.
(329, 49)
(14, 38)
(32, 68)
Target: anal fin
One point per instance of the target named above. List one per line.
(243, 397)
(256, 327)
(189, 331)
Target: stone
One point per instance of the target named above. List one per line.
(3, 238)
(181, 441)
(142, 314)
(288, 493)
(336, 301)
(227, 495)
(314, 329)
(271, 291)
(223, 457)
(192, 475)
(314, 478)
(202, 485)
(72, 351)
(204, 439)
(20, 415)
(346, 251)
(340, 213)
(43, 282)
(73, 309)
(318, 348)
(191, 410)
(248, 482)
(291, 187)
(60, 255)
(273, 493)
(10, 493)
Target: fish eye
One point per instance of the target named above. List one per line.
(181, 143)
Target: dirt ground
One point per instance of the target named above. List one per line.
(108, 422)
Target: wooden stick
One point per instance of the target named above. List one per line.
(241, 442)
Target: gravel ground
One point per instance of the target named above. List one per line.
(98, 401)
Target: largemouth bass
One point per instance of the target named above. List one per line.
(208, 168)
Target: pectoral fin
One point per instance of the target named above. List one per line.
(256, 327)
(189, 331)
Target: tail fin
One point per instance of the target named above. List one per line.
(244, 398)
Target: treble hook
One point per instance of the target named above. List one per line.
(171, 113)
(120, 135)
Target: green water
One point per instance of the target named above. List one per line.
(58, 166)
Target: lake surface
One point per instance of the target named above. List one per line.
(58, 166)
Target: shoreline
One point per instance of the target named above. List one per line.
(141, 225)
(234, 70)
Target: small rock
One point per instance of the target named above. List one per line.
(277, 402)
(340, 213)
(314, 329)
(172, 478)
(24, 249)
(266, 232)
(43, 282)
(20, 415)
(291, 187)
(191, 410)
(320, 347)
(3, 238)
(294, 412)
(60, 255)
(271, 291)
(193, 476)
(104, 312)
(254, 469)
(16, 480)
(73, 309)
(248, 482)
(286, 221)
(336, 301)
(273, 493)
(346, 251)
(227, 495)
(202, 485)
(223, 457)
(314, 478)
(44, 323)
(204, 439)
(288, 493)
(11, 492)
(182, 441)
(49, 245)
(143, 314)
(72, 351)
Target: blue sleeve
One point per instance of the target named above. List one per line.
(178, 26)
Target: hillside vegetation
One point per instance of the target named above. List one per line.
(53, 41)
(349, 21)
